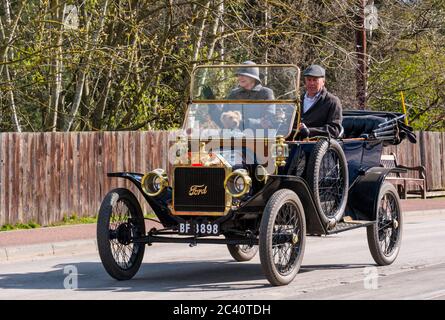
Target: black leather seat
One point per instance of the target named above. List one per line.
(360, 126)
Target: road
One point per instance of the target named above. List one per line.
(334, 267)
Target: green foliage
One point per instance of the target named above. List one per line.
(74, 219)
(132, 61)
(66, 220)
(19, 225)
(419, 75)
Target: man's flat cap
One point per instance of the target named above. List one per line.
(315, 71)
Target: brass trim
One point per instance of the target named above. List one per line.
(297, 108)
(198, 213)
(280, 160)
(153, 174)
(264, 177)
(294, 115)
(227, 197)
(227, 66)
(247, 182)
(296, 101)
(197, 190)
(216, 101)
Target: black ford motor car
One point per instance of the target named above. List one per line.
(240, 178)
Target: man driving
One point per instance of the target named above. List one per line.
(321, 111)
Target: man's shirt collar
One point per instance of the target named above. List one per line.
(314, 97)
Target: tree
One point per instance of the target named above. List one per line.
(127, 64)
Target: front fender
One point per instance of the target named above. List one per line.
(158, 204)
(315, 223)
(132, 176)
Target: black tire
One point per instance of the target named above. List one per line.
(282, 234)
(328, 179)
(241, 252)
(120, 220)
(385, 236)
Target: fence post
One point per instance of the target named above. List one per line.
(422, 149)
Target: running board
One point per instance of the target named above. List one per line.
(349, 225)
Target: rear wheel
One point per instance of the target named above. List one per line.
(282, 237)
(120, 220)
(327, 176)
(385, 236)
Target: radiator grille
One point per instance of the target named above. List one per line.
(210, 179)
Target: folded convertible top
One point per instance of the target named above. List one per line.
(392, 130)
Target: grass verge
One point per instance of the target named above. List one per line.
(67, 220)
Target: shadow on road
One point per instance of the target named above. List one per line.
(188, 276)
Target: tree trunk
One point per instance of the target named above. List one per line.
(361, 71)
(221, 31)
(7, 55)
(99, 111)
(57, 69)
(215, 28)
(83, 69)
(198, 41)
(10, 90)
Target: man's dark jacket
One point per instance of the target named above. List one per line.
(324, 117)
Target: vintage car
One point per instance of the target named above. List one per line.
(240, 177)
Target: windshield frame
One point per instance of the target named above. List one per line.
(295, 114)
(297, 84)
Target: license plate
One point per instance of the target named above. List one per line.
(206, 228)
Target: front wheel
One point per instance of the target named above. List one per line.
(282, 237)
(120, 220)
(242, 252)
(385, 236)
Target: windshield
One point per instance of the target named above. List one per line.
(250, 120)
(245, 82)
(248, 100)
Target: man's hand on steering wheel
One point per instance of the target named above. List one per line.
(303, 131)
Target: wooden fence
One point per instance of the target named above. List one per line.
(429, 151)
(46, 176)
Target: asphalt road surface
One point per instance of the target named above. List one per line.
(334, 267)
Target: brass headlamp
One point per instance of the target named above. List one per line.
(238, 183)
(154, 182)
